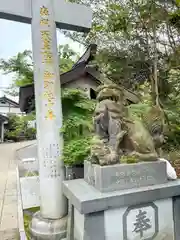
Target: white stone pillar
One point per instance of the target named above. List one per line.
(48, 110)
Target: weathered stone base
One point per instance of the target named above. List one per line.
(46, 229)
(124, 176)
(148, 213)
(122, 223)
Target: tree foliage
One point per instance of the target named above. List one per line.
(132, 35)
(139, 47)
(77, 130)
(17, 129)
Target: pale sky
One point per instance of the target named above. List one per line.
(16, 37)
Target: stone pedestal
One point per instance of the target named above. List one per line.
(124, 176)
(140, 212)
(46, 229)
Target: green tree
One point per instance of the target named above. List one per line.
(138, 42)
(67, 57)
(17, 129)
(135, 39)
(77, 115)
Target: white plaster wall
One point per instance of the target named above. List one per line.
(114, 222)
(15, 110)
(83, 83)
(32, 124)
(4, 104)
(7, 109)
(4, 109)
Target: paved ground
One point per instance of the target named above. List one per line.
(8, 191)
(28, 152)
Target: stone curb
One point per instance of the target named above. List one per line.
(21, 229)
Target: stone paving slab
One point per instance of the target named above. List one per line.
(8, 191)
(9, 235)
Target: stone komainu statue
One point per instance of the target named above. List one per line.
(117, 133)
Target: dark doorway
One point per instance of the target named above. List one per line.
(92, 94)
